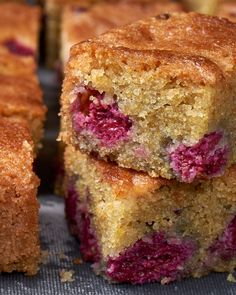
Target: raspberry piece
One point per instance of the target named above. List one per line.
(103, 120)
(207, 158)
(154, 258)
(80, 222)
(225, 245)
(18, 48)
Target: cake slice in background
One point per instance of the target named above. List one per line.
(20, 25)
(21, 98)
(22, 114)
(81, 24)
(139, 229)
(202, 6)
(156, 95)
(227, 9)
(19, 208)
(53, 10)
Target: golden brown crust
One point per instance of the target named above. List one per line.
(20, 22)
(21, 97)
(206, 38)
(13, 135)
(19, 232)
(13, 65)
(190, 68)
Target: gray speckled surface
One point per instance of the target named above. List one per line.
(56, 239)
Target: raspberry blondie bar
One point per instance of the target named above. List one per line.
(19, 208)
(21, 98)
(19, 32)
(157, 95)
(139, 229)
(79, 25)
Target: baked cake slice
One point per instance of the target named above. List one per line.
(156, 95)
(21, 98)
(53, 9)
(81, 24)
(139, 229)
(227, 9)
(202, 6)
(19, 208)
(20, 24)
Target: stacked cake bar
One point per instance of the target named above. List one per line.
(148, 114)
(22, 114)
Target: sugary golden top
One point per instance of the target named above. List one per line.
(19, 22)
(13, 135)
(13, 65)
(100, 18)
(20, 95)
(187, 40)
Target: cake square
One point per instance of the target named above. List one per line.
(21, 99)
(156, 96)
(19, 208)
(79, 24)
(20, 25)
(53, 9)
(202, 6)
(139, 229)
(228, 10)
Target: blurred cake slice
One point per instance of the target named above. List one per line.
(79, 24)
(157, 95)
(227, 9)
(19, 208)
(202, 6)
(20, 25)
(21, 98)
(139, 229)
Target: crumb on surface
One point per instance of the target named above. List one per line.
(231, 278)
(66, 276)
(63, 256)
(44, 256)
(77, 261)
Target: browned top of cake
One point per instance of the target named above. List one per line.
(11, 64)
(20, 95)
(19, 22)
(86, 3)
(13, 135)
(227, 10)
(187, 39)
(17, 178)
(102, 17)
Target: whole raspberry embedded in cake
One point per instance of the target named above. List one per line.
(16, 47)
(80, 222)
(90, 113)
(151, 259)
(207, 158)
(225, 245)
